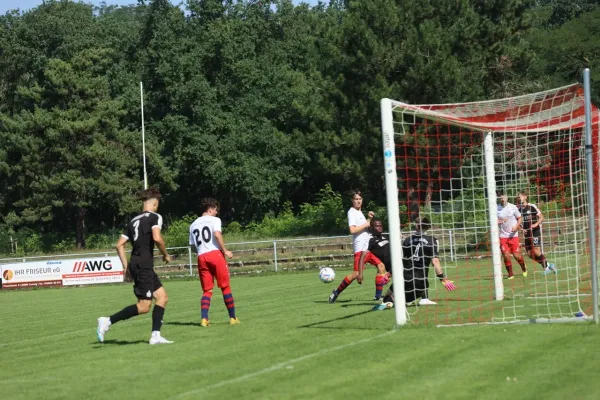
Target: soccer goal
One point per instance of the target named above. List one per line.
(450, 162)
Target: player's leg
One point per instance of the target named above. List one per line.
(161, 299)
(222, 275)
(422, 290)
(539, 257)
(348, 279)
(410, 292)
(529, 247)
(515, 249)
(506, 257)
(207, 284)
(389, 295)
(381, 278)
(130, 311)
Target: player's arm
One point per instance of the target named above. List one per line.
(221, 242)
(540, 218)
(120, 246)
(519, 217)
(359, 228)
(439, 271)
(160, 243)
(518, 225)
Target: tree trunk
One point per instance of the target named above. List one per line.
(80, 228)
(429, 194)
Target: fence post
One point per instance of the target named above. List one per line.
(275, 253)
(190, 259)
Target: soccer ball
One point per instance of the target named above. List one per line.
(326, 275)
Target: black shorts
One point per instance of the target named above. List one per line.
(532, 241)
(388, 267)
(145, 281)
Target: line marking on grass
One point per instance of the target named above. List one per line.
(282, 365)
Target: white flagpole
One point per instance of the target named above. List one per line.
(143, 136)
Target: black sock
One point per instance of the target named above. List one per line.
(126, 313)
(157, 316)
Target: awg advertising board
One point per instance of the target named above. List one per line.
(80, 271)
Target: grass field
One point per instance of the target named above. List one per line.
(291, 344)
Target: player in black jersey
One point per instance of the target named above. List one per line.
(418, 252)
(532, 219)
(143, 232)
(379, 247)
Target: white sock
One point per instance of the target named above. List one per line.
(155, 333)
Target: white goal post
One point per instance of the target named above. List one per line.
(449, 162)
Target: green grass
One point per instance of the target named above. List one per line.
(291, 345)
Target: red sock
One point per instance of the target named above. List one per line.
(523, 267)
(205, 303)
(379, 279)
(343, 285)
(509, 269)
(229, 303)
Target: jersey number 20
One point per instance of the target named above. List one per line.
(206, 236)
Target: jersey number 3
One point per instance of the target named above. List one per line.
(136, 230)
(206, 235)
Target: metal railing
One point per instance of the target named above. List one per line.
(250, 253)
(276, 254)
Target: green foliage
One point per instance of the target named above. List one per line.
(33, 244)
(564, 51)
(260, 104)
(177, 233)
(326, 217)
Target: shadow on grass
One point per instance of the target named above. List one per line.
(177, 323)
(327, 301)
(119, 342)
(370, 303)
(320, 324)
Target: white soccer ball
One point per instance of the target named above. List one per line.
(326, 275)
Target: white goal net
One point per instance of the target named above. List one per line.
(451, 162)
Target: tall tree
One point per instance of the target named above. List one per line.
(68, 154)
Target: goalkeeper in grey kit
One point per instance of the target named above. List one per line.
(418, 252)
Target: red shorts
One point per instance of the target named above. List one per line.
(510, 244)
(212, 265)
(369, 258)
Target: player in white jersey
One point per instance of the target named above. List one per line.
(359, 229)
(509, 220)
(207, 241)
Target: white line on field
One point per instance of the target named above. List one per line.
(281, 365)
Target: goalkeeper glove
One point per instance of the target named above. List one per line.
(448, 284)
(386, 279)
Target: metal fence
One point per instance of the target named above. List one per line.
(262, 256)
(249, 257)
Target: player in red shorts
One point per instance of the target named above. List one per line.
(359, 229)
(207, 241)
(510, 219)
